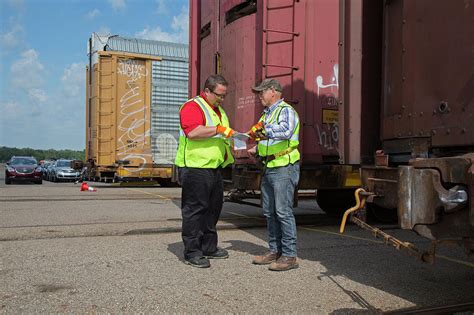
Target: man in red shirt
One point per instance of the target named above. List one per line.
(203, 150)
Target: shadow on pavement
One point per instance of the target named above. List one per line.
(378, 266)
(176, 249)
(246, 247)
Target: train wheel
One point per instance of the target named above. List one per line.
(335, 201)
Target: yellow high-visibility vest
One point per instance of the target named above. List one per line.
(285, 151)
(205, 153)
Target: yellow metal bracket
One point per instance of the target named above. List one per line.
(359, 205)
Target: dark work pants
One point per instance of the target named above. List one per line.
(201, 204)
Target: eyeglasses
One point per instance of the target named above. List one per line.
(221, 96)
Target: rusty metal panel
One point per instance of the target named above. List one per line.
(360, 79)
(383, 181)
(209, 35)
(428, 79)
(194, 47)
(320, 85)
(431, 206)
(452, 169)
(351, 35)
(239, 60)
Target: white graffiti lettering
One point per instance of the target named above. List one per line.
(329, 142)
(334, 79)
(133, 113)
(132, 69)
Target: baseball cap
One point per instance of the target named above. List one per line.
(268, 84)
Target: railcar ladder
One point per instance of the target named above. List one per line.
(269, 11)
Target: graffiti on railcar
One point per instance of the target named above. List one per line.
(134, 136)
(328, 129)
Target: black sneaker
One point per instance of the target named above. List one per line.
(198, 262)
(220, 253)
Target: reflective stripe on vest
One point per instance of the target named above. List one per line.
(270, 147)
(209, 152)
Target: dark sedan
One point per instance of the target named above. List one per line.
(23, 168)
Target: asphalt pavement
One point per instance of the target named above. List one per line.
(119, 250)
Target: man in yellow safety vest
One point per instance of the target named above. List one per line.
(203, 151)
(277, 135)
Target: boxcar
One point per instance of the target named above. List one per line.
(134, 91)
(384, 91)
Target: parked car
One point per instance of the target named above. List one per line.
(62, 171)
(44, 168)
(49, 171)
(23, 168)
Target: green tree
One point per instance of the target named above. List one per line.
(50, 154)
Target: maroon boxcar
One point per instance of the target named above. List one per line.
(383, 89)
(296, 42)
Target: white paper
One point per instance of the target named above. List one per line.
(240, 140)
(241, 136)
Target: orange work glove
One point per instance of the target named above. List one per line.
(257, 130)
(257, 126)
(225, 131)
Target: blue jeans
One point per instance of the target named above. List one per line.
(278, 187)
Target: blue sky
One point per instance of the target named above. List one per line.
(43, 55)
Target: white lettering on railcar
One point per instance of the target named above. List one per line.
(329, 142)
(131, 68)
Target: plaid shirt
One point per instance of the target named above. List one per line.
(283, 129)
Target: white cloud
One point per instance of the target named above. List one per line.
(156, 34)
(28, 72)
(38, 95)
(12, 38)
(162, 8)
(73, 79)
(117, 5)
(181, 22)
(92, 14)
(10, 109)
(180, 30)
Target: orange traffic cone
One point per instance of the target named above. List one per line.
(85, 187)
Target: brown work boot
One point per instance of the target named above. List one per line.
(266, 258)
(284, 263)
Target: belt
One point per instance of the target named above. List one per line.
(279, 154)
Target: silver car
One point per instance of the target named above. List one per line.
(62, 171)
